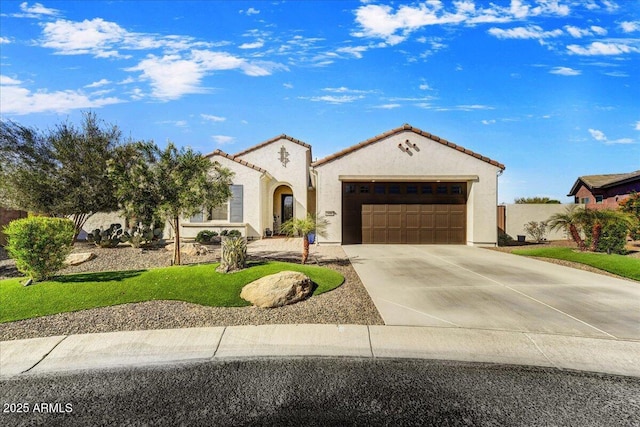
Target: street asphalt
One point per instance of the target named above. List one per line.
(315, 391)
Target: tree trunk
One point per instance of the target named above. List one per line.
(596, 232)
(305, 248)
(576, 237)
(79, 220)
(176, 244)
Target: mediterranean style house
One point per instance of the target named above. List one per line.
(403, 186)
(605, 191)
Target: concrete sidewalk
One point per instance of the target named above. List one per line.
(154, 347)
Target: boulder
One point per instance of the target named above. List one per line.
(277, 290)
(190, 249)
(79, 258)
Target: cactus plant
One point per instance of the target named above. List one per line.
(234, 254)
(109, 238)
(141, 235)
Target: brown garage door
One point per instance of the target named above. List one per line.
(414, 224)
(406, 212)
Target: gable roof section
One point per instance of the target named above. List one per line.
(221, 153)
(398, 130)
(271, 141)
(604, 181)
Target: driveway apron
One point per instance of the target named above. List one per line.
(469, 287)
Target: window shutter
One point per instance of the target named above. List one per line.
(235, 204)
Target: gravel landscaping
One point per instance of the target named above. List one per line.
(348, 304)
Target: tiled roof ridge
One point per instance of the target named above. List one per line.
(270, 141)
(407, 127)
(218, 152)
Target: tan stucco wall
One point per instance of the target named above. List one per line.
(252, 225)
(517, 215)
(384, 158)
(295, 174)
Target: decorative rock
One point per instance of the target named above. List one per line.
(190, 249)
(277, 290)
(79, 258)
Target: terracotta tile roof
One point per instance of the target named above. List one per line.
(270, 141)
(398, 130)
(604, 181)
(230, 157)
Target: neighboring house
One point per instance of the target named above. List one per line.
(404, 186)
(605, 191)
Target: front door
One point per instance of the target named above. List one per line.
(286, 207)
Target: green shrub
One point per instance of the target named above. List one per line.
(536, 230)
(234, 233)
(613, 238)
(205, 236)
(39, 245)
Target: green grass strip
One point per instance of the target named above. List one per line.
(617, 264)
(199, 284)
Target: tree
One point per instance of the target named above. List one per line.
(534, 200)
(61, 172)
(571, 221)
(153, 184)
(302, 227)
(631, 205)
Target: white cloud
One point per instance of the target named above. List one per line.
(600, 48)
(223, 139)
(630, 26)
(36, 11)
(287, 85)
(598, 135)
(530, 32)
(354, 50)
(488, 122)
(6, 80)
(4, 40)
(599, 30)
(87, 37)
(334, 99)
(19, 100)
(601, 137)
(577, 32)
(250, 11)
(213, 118)
(173, 76)
(388, 106)
(424, 86)
(565, 71)
(255, 45)
(395, 25)
(637, 125)
(99, 83)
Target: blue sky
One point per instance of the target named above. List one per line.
(550, 88)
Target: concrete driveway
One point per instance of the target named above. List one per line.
(470, 287)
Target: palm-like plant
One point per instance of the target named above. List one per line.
(571, 221)
(598, 219)
(302, 227)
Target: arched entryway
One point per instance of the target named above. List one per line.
(283, 203)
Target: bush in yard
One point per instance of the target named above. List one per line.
(613, 238)
(536, 230)
(234, 233)
(205, 236)
(39, 245)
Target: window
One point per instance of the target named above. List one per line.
(599, 199)
(442, 189)
(427, 189)
(456, 189)
(584, 200)
(379, 189)
(219, 213)
(364, 188)
(350, 188)
(412, 189)
(394, 189)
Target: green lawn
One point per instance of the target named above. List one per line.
(617, 264)
(199, 284)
